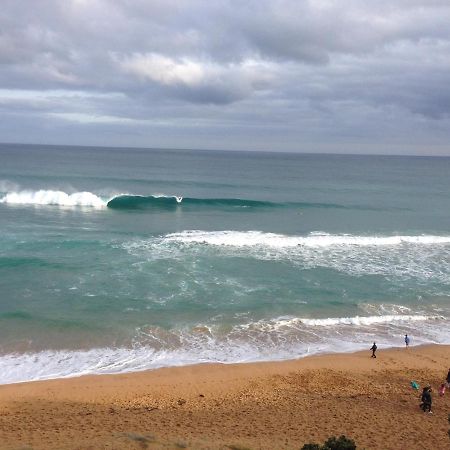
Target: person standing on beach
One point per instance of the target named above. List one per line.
(374, 349)
(426, 399)
(406, 340)
(448, 379)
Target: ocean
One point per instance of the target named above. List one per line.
(121, 259)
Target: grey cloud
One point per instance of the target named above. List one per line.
(302, 69)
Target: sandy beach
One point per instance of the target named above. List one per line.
(280, 405)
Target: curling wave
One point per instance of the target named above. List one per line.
(129, 201)
(155, 201)
(168, 202)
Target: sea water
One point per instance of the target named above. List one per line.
(115, 260)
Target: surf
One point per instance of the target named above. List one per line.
(55, 198)
(125, 201)
(233, 238)
(264, 340)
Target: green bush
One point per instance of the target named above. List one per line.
(333, 443)
(342, 443)
(311, 447)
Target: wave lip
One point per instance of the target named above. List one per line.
(129, 201)
(49, 197)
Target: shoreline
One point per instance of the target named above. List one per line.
(323, 353)
(258, 405)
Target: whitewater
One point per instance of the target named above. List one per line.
(165, 258)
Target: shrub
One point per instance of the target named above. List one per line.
(333, 443)
(311, 447)
(342, 443)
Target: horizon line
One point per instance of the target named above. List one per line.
(309, 153)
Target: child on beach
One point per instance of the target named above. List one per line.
(441, 390)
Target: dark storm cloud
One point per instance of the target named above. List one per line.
(305, 74)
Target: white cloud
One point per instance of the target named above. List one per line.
(168, 71)
(200, 81)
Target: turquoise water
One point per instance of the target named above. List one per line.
(114, 260)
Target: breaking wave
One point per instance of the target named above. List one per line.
(315, 239)
(264, 340)
(425, 258)
(59, 198)
(155, 201)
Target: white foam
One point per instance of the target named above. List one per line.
(367, 321)
(333, 322)
(423, 257)
(48, 197)
(178, 199)
(270, 339)
(315, 239)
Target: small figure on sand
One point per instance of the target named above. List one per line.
(407, 340)
(442, 390)
(426, 400)
(374, 349)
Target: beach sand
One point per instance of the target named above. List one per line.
(280, 405)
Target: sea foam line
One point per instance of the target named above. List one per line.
(368, 320)
(276, 339)
(315, 239)
(284, 323)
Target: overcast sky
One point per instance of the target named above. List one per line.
(351, 76)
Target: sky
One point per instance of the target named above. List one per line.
(348, 76)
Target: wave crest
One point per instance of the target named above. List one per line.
(48, 197)
(154, 201)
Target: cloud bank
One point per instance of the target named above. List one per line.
(281, 75)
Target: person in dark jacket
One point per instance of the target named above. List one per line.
(426, 399)
(374, 349)
(448, 379)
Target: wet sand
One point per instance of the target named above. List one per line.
(280, 405)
